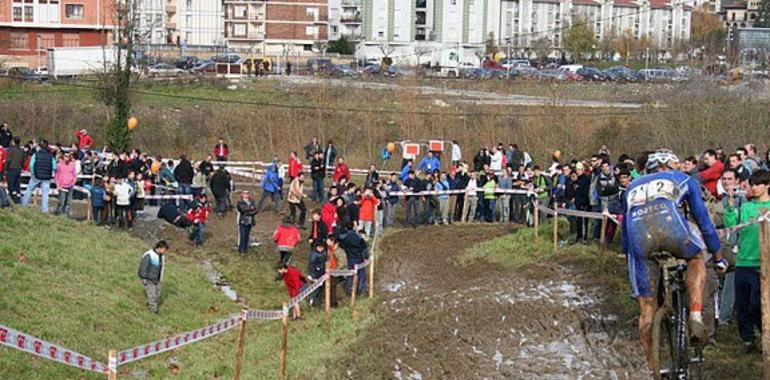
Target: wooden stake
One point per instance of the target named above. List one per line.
(353, 291)
(239, 351)
(371, 268)
(284, 343)
(603, 236)
(88, 206)
(764, 251)
(555, 230)
(112, 366)
(536, 213)
(328, 299)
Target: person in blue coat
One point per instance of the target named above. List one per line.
(405, 170)
(271, 188)
(429, 163)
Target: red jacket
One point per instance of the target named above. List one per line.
(368, 205)
(329, 215)
(710, 177)
(294, 280)
(84, 140)
(286, 236)
(341, 171)
(199, 213)
(221, 151)
(295, 167)
(3, 155)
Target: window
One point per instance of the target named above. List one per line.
(189, 4)
(28, 14)
(188, 20)
(45, 41)
(307, 47)
(17, 14)
(334, 29)
(73, 10)
(311, 30)
(19, 41)
(239, 11)
(239, 30)
(188, 37)
(453, 2)
(312, 12)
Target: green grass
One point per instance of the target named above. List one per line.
(75, 284)
(521, 251)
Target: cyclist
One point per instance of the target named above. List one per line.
(653, 222)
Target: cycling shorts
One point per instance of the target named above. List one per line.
(657, 226)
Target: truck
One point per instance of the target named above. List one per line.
(77, 61)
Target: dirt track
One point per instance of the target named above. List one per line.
(441, 321)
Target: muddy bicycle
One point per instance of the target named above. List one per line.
(673, 356)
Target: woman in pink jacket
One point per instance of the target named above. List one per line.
(65, 178)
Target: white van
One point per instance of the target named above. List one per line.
(571, 68)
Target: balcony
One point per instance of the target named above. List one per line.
(350, 18)
(351, 3)
(170, 9)
(254, 36)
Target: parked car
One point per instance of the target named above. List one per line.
(397, 71)
(24, 73)
(513, 63)
(3, 72)
(204, 67)
(526, 72)
(186, 62)
(491, 64)
(342, 71)
(475, 73)
(226, 58)
(552, 75)
(592, 74)
(505, 74)
(42, 72)
(163, 70)
(572, 68)
(621, 74)
(319, 65)
(370, 70)
(658, 75)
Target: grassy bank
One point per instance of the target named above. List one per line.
(520, 251)
(75, 284)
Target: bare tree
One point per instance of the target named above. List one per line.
(421, 51)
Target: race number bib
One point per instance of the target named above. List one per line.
(661, 188)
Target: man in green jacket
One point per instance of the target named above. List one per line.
(151, 273)
(747, 283)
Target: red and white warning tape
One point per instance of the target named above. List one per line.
(38, 347)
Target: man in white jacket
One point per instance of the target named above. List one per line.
(457, 154)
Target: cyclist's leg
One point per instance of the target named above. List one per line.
(696, 282)
(644, 275)
(647, 308)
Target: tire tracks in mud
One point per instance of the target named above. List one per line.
(438, 320)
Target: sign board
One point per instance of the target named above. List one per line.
(436, 145)
(412, 149)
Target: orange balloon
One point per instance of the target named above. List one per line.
(132, 123)
(391, 147)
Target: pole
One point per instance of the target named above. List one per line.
(112, 366)
(88, 208)
(371, 268)
(328, 298)
(603, 236)
(555, 222)
(254, 176)
(353, 291)
(239, 351)
(764, 251)
(537, 218)
(284, 342)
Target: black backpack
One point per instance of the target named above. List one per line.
(4, 200)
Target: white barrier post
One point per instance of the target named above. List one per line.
(284, 342)
(239, 351)
(112, 366)
(536, 213)
(353, 291)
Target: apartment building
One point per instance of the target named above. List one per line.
(180, 22)
(464, 25)
(738, 14)
(288, 28)
(29, 27)
(345, 19)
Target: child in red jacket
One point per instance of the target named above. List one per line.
(286, 237)
(294, 281)
(198, 215)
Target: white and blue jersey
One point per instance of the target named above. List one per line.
(653, 222)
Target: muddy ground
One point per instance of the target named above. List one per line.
(438, 320)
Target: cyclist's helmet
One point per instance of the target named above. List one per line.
(662, 157)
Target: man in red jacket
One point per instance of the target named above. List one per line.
(84, 140)
(710, 175)
(295, 166)
(198, 215)
(221, 151)
(341, 170)
(286, 237)
(294, 281)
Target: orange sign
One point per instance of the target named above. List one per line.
(436, 145)
(412, 149)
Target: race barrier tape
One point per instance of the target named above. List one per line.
(38, 347)
(188, 197)
(174, 342)
(307, 291)
(348, 272)
(264, 315)
(728, 230)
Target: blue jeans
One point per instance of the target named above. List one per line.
(361, 288)
(45, 188)
(489, 208)
(198, 234)
(184, 189)
(65, 201)
(318, 190)
(748, 310)
(221, 204)
(13, 176)
(727, 298)
(244, 230)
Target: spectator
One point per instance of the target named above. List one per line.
(329, 213)
(391, 200)
(405, 169)
(150, 273)
(330, 154)
(206, 166)
(747, 276)
(460, 183)
(65, 178)
(14, 162)
(317, 269)
(318, 229)
(471, 199)
(220, 185)
(295, 166)
(690, 166)
(350, 218)
(3, 154)
(480, 159)
(122, 193)
(710, 175)
(294, 281)
(98, 196)
(372, 177)
(198, 215)
(490, 186)
(317, 173)
(199, 181)
(496, 160)
(184, 174)
(412, 186)
(84, 140)
(296, 200)
(405, 156)
(607, 187)
(429, 201)
(429, 163)
(442, 186)
(752, 160)
(42, 167)
(582, 192)
(312, 148)
(457, 154)
(341, 171)
(245, 220)
(356, 252)
(221, 150)
(734, 162)
(5, 135)
(271, 188)
(541, 186)
(504, 201)
(367, 210)
(286, 237)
